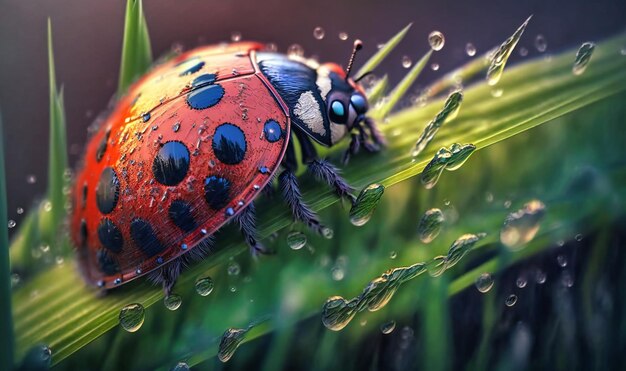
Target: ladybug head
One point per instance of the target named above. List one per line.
(323, 100)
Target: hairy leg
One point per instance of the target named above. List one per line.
(293, 197)
(247, 225)
(326, 172)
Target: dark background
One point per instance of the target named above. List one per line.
(88, 39)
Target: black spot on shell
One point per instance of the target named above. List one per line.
(229, 144)
(180, 214)
(272, 131)
(110, 236)
(83, 232)
(216, 191)
(193, 68)
(83, 201)
(107, 263)
(145, 238)
(102, 147)
(202, 80)
(171, 163)
(205, 97)
(107, 190)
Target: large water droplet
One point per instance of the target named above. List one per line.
(448, 112)
(521, 226)
(436, 266)
(296, 240)
(436, 40)
(38, 357)
(510, 300)
(181, 366)
(499, 58)
(204, 286)
(388, 327)
(484, 282)
(445, 159)
(337, 313)
(430, 225)
(583, 56)
(470, 49)
(365, 204)
(172, 301)
(318, 33)
(231, 339)
(132, 317)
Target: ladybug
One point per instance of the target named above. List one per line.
(194, 142)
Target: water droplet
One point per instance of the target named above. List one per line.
(388, 327)
(38, 357)
(20, 210)
(233, 269)
(436, 40)
(176, 127)
(296, 240)
(540, 277)
(583, 56)
(318, 33)
(510, 300)
(523, 51)
(497, 93)
(181, 366)
(15, 279)
(484, 282)
(430, 225)
(406, 61)
(337, 273)
(47, 206)
(235, 36)
(448, 112)
(343, 36)
(11, 223)
(499, 58)
(578, 237)
(172, 301)
(522, 225)
(436, 266)
(567, 280)
(541, 43)
(271, 47)
(328, 233)
(521, 282)
(470, 49)
(338, 312)
(363, 209)
(445, 159)
(434, 66)
(393, 255)
(561, 261)
(231, 339)
(132, 317)
(623, 51)
(204, 286)
(31, 179)
(295, 50)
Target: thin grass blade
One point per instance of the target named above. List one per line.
(136, 49)
(375, 60)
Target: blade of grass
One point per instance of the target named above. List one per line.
(6, 322)
(73, 316)
(136, 49)
(375, 60)
(377, 91)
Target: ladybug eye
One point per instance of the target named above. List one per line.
(359, 103)
(337, 112)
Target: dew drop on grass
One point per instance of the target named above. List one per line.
(172, 301)
(296, 240)
(393, 255)
(436, 266)
(406, 61)
(445, 159)
(510, 300)
(583, 56)
(388, 327)
(448, 112)
(318, 33)
(343, 36)
(328, 233)
(522, 225)
(499, 58)
(484, 283)
(470, 49)
(363, 209)
(541, 44)
(39, 357)
(497, 93)
(132, 317)
(181, 366)
(430, 225)
(337, 312)
(337, 273)
(231, 339)
(436, 40)
(233, 269)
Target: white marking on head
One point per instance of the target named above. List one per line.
(337, 132)
(323, 81)
(308, 111)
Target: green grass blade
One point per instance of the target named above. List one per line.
(375, 60)
(136, 49)
(377, 91)
(534, 93)
(403, 86)
(6, 320)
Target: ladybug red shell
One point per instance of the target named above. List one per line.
(193, 143)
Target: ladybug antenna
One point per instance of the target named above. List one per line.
(358, 45)
(363, 76)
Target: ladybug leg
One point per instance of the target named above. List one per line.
(353, 149)
(247, 224)
(326, 172)
(301, 211)
(377, 136)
